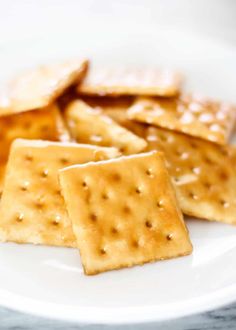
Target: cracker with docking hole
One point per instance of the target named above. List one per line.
(130, 81)
(204, 174)
(32, 209)
(91, 126)
(124, 212)
(37, 124)
(116, 108)
(40, 86)
(206, 119)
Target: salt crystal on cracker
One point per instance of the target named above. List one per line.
(130, 81)
(206, 119)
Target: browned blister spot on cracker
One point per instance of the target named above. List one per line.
(89, 126)
(32, 209)
(39, 87)
(130, 81)
(129, 228)
(209, 120)
(13, 126)
(205, 182)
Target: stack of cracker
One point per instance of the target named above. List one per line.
(106, 160)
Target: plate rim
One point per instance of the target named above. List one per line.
(119, 316)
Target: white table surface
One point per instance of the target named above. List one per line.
(28, 19)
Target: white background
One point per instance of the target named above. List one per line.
(26, 20)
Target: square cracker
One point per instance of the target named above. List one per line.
(116, 108)
(39, 87)
(204, 174)
(206, 119)
(124, 212)
(39, 124)
(32, 209)
(130, 81)
(89, 126)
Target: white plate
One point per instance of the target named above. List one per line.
(49, 281)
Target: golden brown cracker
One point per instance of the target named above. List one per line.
(113, 107)
(124, 212)
(32, 209)
(39, 124)
(204, 174)
(130, 81)
(39, 87)
(116, 108)
(91, 126)
(206, 119)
